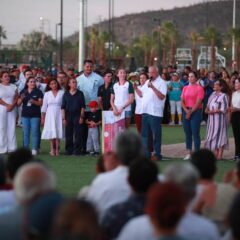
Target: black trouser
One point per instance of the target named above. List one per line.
(235, 120)
(73, 133)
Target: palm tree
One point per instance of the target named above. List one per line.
(3, 35)
(211, 37)
(170, 34)
(145, 43)
(103, 38)
(155, 48)
(195, 38)
(93, 42)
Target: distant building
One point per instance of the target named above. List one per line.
(183, 58)
(8, 47)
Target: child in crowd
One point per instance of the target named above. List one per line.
(93, 120)
(175, 90)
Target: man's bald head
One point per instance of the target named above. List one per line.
(31, 180)
(153, 72)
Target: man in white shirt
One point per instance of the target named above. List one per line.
(153, 99)
(191, 226)
(112, 187)
(88, 82)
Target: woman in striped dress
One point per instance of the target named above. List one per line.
(217, 126)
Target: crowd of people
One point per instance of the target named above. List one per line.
(69, 106)
(128, 199)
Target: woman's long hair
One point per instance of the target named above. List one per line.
(26, 84)
(48, 88)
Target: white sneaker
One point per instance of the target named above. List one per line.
(180, 123)
(171, 123)
(187, 157)
(34, 152)
(203, 123)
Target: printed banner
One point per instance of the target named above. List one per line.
(111, 126)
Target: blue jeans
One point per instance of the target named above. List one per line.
(33, 125)
(192, 129)
(153, 123)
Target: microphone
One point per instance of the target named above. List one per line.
(150, 81)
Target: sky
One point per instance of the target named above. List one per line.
(19, 17)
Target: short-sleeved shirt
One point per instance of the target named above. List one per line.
(236, 99)
(94, 116)
(151, 103)
(175, 91)
(121, 93)
(105, 94)
(89, 86)
(7, 93)
(191, 94)
(31, 110)
(73, 104)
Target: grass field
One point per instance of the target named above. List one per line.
(75, 172)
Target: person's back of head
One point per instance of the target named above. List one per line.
(185, 176)
(128, 147)
(32, 180)
(234, 218)
(76, 219)
(205, 162)
(165, 206)
(142, 174)
(16, 159)
(40, 214)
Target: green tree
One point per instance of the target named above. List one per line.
(144, 42)
(195, 38)
(3, 35)
(212, 38)
(36, 41)
(170, 37)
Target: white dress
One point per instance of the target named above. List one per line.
(53, 127)
(8, 141)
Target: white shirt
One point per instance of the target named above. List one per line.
(121, 95)
(109, 188)
(236, 99)
(89, 86)
(7, 93)
(22, 82)
(138, 109)
(191, 227)
(151, 104)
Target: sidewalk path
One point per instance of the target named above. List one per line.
(179, 150)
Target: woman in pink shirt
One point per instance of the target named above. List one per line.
(191, 99)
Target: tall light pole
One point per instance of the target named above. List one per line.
(61, 35)
(81, 52)
(42, 27)
(233, 37)
(158, 20)
(56, 31)
(110, 30)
